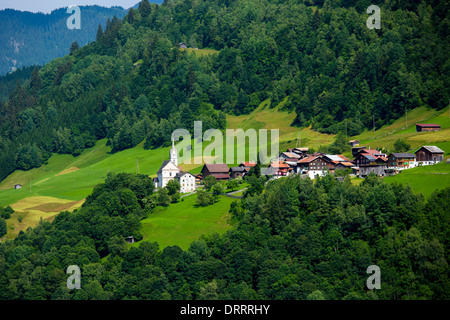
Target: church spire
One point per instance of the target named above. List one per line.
(174, 153)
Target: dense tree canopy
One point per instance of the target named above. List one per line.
(298, 239)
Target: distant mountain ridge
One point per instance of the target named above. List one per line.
(29, 38)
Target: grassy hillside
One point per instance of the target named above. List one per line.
(267, 117)
(424, 179)
(183, 222)
(405, 129)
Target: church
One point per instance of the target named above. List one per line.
(169, 170)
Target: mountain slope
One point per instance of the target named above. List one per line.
(320, 61)
(36, 38)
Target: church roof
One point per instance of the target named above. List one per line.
(164, 164)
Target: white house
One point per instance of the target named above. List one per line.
(187, 182)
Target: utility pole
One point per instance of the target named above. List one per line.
(299, 140)
(318, 141)
(406, 118)
(373, 116)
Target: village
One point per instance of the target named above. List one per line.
(298, 161)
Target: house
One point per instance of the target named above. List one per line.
(182, 45)
(130, 239)
(354, 143)
(218, 170)
(279, 169)
(344, 165)
(187, 182)
(247, 164)
(382, 160)
(401, 161)
(198, 179)
(373, 152)
(364, 159)
(421, 127)
(300, 151)
(370, 160)
(237, 172)
(429, 155)
(312, 165)
(367, 156)
(303, 164)
(355, 151)
(318, 167)
(17, 186)
(290, 158)
(289, 155)
(332, 160)
(376, 168)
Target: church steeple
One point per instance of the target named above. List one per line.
(174, 153)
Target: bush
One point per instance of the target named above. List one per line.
(204, 199)
(3, 228)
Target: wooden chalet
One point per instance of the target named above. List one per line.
(400, 161)
(219, 170)
(237, 172)
(429, 155)
(280, 169)
(427, 127)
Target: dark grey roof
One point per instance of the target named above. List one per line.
(238, 169)
(180, 174)
(403, 155)
(369, 157)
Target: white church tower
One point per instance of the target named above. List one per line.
(169, 168)
(174, 154)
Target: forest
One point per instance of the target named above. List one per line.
(295, 239)
(35, 38)
(133, 84)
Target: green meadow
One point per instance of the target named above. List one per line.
(424, 179)
(183, 222)
(405, 129)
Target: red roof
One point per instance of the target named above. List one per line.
(248, 163)
(428, 125)
(370, 151)
(279, 164)
(347, 164)
(307, 159)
